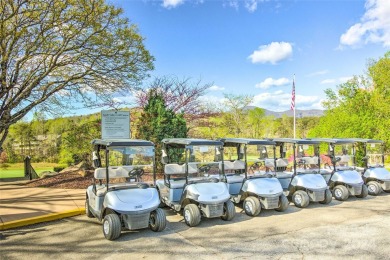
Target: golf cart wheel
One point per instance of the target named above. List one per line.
(252, 206)
(340, 192)
(191, 215)
(229, 211)
(328, 197)
(283, 203)
(87, 210)
(157, 221)
(374, 188)
(364, 192)
(301, 199)
(111, 226)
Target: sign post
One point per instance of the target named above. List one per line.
(115, 124)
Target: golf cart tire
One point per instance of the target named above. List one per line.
(364, 192)
(252, 206)
(158, 221)
(328, 197)
(283, 203)
(340, 192)
(229, 211)
(374, 188)
(304, 199)
(87, 210)
(191, 215)
(114, 226)
(387, 191)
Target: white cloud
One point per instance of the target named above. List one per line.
(270, 82)
(216, 88)
(345, 79)
(374, 26)
(328, 81)
(251, 5)
(281, 101)
(318, 73)
(172, 3)
(338, 81)
(272, 53)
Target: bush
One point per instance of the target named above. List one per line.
(4, 166)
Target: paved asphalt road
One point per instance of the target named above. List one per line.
(356, 228)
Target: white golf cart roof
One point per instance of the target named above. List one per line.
(294, 141)
(231, 141)
(337, 141)
(121, 142)
(189, 141)
(368, 141)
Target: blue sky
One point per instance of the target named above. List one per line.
(255, 47)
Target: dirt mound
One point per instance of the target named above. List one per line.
(64, 180)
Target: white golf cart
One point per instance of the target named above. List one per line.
(189, 182)
(128, 203)
(375, 175)
(256, 185)
(339, 169)
(302, 181)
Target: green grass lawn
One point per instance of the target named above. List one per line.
(17, 169)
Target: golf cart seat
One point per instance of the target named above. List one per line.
(113, 172)
(281, 164)
(269, 163)
(231, 177)
(174, 168)
(344, 159)
(310, 159)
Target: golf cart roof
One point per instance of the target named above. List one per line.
(189, 141)
(233, 141)
(294, 141)
(335, 140)
(121, 142)
(369, 141)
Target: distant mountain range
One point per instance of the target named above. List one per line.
(298, 113)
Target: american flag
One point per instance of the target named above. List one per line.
(293, 96)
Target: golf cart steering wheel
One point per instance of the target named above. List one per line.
(256, 166)
(204, 168)
(136, 173)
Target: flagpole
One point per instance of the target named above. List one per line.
(294, 105)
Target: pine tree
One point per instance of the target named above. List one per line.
(157, 122)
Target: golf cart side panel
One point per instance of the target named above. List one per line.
(172, 193)
(209, 193)
(326, 173)
(377, 173)
(234, 183)
(284, 179)
(95, 202)
(350, 177)
(313, 182)
(132, 201)
(263, 187)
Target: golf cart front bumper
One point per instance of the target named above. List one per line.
(136, 221)
(355, 189)
(385, 184)
(270, 202)
(316, 195)
(212, 210)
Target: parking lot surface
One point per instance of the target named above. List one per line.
(357, 228)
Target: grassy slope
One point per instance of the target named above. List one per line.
(17, 169)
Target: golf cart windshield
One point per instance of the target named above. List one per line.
(306, 157)
(202, 160)
(260, 158)
(134, 162)
(344, 156)
(374, 154)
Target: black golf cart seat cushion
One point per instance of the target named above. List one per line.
(113, 172)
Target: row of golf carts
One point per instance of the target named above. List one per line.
(204, 178)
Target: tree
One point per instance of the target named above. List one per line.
(56, 54)
(158, 122)
(359, 107)
(256, 118)
(181, 96)
(235, 106)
